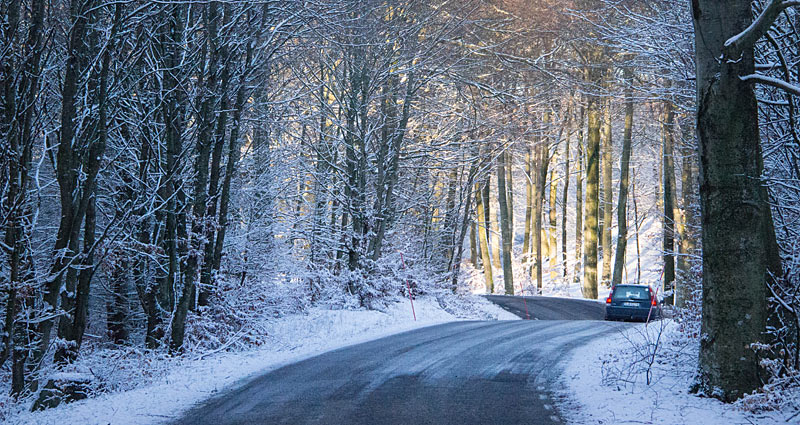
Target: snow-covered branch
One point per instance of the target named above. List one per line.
(748, 38)
(774, 82)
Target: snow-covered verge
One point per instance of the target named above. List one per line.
(642, 374)
(176, 384)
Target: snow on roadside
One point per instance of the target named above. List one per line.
(292, 338)
(606, 382)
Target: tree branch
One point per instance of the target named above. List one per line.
(746, 39)
(774, 82)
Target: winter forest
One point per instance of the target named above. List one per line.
(175, 174)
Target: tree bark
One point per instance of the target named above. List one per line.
(579, 199)
(624, 176)
(685, 225)
(668, 249)
(473, 248)
(74, 192)
(553, 225)
(505, 225)
(455, 261)
(739, 248)
(186, 301)
(526, 241)
(510, 186)
(564, 200)
(483, 234)
(210, 212)
(591, 211)
(608, 195)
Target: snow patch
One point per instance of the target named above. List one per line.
(606, 382)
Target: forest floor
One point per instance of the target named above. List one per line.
(606, 382)
(173, 385)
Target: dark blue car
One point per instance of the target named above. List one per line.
(632, 302)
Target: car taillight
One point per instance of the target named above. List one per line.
(653, 301)
(608, 300)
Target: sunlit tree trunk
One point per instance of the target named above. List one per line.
(494, 234)
(624, 175)
(473, 248)
(608, 195)
(448, 231)
(541, 165)
(564, 200)
(505, 225)
(591, 211)
(510, 187)
(579, 198)
(553, 224)
(686, 223)
(526, 241)
(483, 236)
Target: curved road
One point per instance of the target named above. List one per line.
(501, 372)
(550, 308)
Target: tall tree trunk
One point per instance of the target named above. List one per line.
(579, 199)
(117, 305)
(210, 212)
(669, 201)
(186, 301)
(510, 186)
(624, 175)
(637, 226)
(455, 261)
(230, 166)
(564, 201)
(483, 236)
(16, 123)
(505, 225)
(553, 225)
(494, 234)
(591, 212)
(739, 247)
(541, 165)
(526, 241)
(449, 228)
(608, 195)
(473, 248)
(173, 111)
(75, 192)
(685, 224)
(386, 210)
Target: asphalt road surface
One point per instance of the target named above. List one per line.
(550, 308)
(501, 372)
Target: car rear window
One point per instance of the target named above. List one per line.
(630, 293)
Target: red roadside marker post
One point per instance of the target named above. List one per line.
(408, 287)
(522, 291)
(655, 297)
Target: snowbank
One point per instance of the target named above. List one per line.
(292, 338)
(606, 382)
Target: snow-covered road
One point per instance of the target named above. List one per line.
(454, 373)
